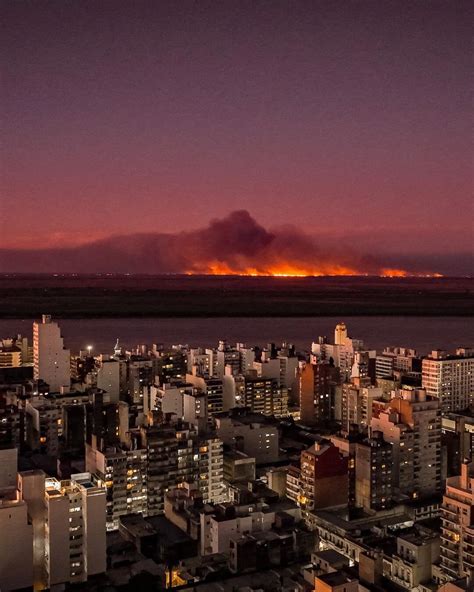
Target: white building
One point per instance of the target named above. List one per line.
(226, 355)
(410, 566)
(75, 545)
(247, 357)
(109, 378)
(342, 351)
(16, 542)
(392, 359)
(195, 409)
(218, 528)
(51, 361)
(200, 360)
(450, 378)
(16, 531)
(169, 398)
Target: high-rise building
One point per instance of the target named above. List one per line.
(357, 401)
(155, 458)
(227, 356)
(104, 421)
(324, 477)
(169, 397)
(124, 474)
(16, 530)
(252, 433)
(44, 417)
(340, 334)
(373, 471)
(288, 374)
(12, 425)
(75, 530)
(10, 354)
(396, 359)
(265, 395)
(212, 387)
(457, 434)
(108, 378)
(347, 441)
(195, 408)
(341, 353)
(170, 364)
(140, 378)
(457, 529)
(51, 360)
(247, 357)
(411, 422)
(161, 446)
(199, 362)
(318, 384)
(450, 378)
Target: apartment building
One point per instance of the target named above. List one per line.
(411, 422)
(450, 378)
(323, 478)
(75, 531)
(457, 529)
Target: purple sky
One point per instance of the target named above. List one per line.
(342, 118)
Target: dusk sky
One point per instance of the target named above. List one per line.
(347, 120)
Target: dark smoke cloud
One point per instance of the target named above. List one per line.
(236, 242)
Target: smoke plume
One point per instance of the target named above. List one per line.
(236, 244)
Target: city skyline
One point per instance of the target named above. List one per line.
(252, 459)
(236, 296)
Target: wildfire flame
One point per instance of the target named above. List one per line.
(233, 245)
(283, 269)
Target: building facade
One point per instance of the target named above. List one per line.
(450, 378)
(51, 361)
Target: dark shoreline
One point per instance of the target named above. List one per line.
(216, 296)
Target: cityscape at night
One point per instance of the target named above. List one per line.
(236, 296)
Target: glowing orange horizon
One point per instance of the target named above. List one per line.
(295, 271)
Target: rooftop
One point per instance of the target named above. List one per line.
(166, 530)
(418, 536)
(331, 556)
(336, 578)
(137, 526)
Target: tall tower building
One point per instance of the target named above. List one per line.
(51, 361)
